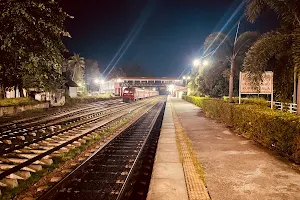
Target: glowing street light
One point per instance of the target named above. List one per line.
(205, 62)
(171, 88)
(186, 78)
(196, 63)
(96, 81)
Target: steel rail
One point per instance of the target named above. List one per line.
(49, 151)
(41, 138)
(51, 117)
(115, 139)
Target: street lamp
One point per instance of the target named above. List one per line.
(205, 62)
(196, 63)
(96, 81)
(185, 78)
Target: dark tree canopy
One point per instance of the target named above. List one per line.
(30, 43)
(278, 50)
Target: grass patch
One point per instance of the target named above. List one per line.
(17, 102)
(88, 99)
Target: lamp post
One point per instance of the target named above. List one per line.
(98, 81)
(196, 63)
(199, 62)
(185, 79)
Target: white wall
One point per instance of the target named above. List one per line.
(73, 92)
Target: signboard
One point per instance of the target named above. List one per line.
(265, 87)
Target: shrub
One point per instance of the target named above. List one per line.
(195, 100)
(253, 101)
(17, 102)
(276, 130)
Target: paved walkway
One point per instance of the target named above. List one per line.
(236, 168)
(167, 181)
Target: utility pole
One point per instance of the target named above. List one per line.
(295, 87)
(233, 64)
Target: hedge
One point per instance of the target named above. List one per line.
(276, 130)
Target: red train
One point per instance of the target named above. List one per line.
(134, 93)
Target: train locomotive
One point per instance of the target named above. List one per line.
(133, 94)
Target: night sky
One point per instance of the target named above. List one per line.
(168, 33)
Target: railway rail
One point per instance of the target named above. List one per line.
(17, 125)
(31, 134)
(109, 173)
(34, 148)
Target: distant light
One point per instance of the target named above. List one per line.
(205, 62)
(171, 88)
(102, 81)
(188, 77)
(196, 63)
(154, 89)
(96, 81)
(79, 84)
(184, 77)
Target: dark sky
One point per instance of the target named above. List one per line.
(169, 39)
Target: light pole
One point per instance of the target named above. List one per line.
(196, 63)
(199, 62)
(185, 79)
(98, 81)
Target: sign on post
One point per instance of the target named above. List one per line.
(265, 87)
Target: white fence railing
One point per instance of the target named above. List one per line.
(288, 107)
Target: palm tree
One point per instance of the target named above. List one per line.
(76, 67)
(232, 51)
(273, 44)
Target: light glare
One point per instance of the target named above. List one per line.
(196, 62)
(205, 62)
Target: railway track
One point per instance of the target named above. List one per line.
(23, 136)
(38, 145)
(110, 172)
(17, 125)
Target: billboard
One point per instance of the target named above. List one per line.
(265, 87)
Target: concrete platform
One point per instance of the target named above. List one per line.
(236, 168)
(167, 182)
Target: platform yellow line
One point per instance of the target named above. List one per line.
(193, 173)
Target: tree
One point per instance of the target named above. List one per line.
(283, 41)
(232, 51)
(212, 80)
(30, 43)
(76, 68)
(227, 51)
(91, 73)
